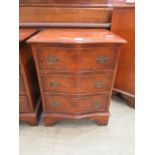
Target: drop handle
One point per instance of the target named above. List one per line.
(54, 84)
(99, 84)
(55, 104)
(101, 59)
(96, 105)
(52, 59)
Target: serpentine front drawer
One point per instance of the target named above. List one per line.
(77, 84)
(77, 59)
(76, 105)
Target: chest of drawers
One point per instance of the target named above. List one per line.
(76, 70)
(29, 98)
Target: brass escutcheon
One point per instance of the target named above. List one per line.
(52, 59)
(55, 103)
(98, 84)
(101, 59)
(54, 84)
(97, 105)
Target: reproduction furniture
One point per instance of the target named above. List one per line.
(89, 13)
(76, 71)
(29, 96)
(123, 24)
(86, 14)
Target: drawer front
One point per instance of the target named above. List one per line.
(77, 84)
(21, 84)
(64, 15)
(79, 105)
(77, 59)
(24, 104)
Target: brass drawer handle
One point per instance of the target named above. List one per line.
(99, 84)
(101, 59)
(54, 84)
(55, 103)
(52, 59)
(96, 105)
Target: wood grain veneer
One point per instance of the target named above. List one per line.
(29, 96)
(63, 90)
(123, 23)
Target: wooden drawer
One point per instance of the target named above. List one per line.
(24, 104)
(77, 84)
(79, 105)
(60, 15)
(21, 84)
(77, 59)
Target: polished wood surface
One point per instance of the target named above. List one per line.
(26, 33)
(79, 105)
(24, 104)
(64, 58)
(70, 84)
(71, 3)
(22, 89)
(76, 36)
(100, 118)
(121, 4)
(64, 13)
(31, 118)
(73, 85)
(28, 84)
(123, 24)
(64, 16)
(62, 2)
(85, 63)
(68, 13)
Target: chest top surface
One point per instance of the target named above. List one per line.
(76, 36)
(26, 33)
(64, 2)
(87, 3)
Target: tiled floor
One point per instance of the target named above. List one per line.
(82, 137)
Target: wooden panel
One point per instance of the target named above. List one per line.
(29, 75)
(24, 104)
(65, 37)
(123, 23)
(76, 105)
(21, 84)
(121, 4)
(29, 102)
(74, 59)
(31, 118)
(28, 79)
(77, 84)
(26, 33)
(64, 15)
(61, 2)
(71, 3)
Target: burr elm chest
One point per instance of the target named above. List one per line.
(76, 70)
